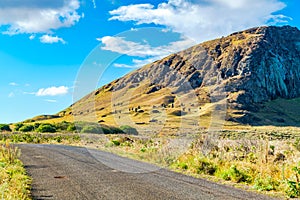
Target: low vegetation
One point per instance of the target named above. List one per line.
(14, 183)
(67, 127)
(4, 127)
(266, 161)
(271, 167)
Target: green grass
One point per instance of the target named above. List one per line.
(14, 183)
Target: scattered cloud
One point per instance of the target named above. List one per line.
(136, 63)
(94, 3)
(201, 19)
(51, 100)
(52, 91)
(10, 95)
(51, 39)
(13, 84)
(122, 46)
(36, 16)
(119, 65)
(142, 50)
(31, 37)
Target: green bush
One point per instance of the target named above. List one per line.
(46, 128)
(182, 165)
(18, 126)
(65, 126)
(116, 142)
(36, 125)
(206, 167)
(71, 128)
(265, 184)
(91, 129)
(235, 175)
(292, 190)
(293, 187)
(115, 130)
(26, 128)
(5, 127)
(129, 130)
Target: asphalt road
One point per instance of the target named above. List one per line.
(64, 172)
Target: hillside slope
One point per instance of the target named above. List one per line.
(249, 77)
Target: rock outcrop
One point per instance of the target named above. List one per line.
(254, 66)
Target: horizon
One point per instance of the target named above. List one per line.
(44, 57)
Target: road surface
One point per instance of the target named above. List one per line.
(65, 172)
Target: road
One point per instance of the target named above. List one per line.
(65, 172)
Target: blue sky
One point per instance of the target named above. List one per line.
(52, 52)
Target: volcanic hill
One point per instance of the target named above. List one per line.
(249, 77)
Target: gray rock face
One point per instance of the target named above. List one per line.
(274, 66)
(258, 65)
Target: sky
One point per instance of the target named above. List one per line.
(53, 52)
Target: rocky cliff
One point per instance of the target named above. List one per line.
(254, 66)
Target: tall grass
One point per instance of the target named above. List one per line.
(14, 183)
(271, 167)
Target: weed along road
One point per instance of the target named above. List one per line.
(64, 172)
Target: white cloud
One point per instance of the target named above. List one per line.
(31, 37)
(136, 63)
(130, 48)
(13, 84)
(51, 39)
(202, 19)
(144, 50)
(121, 65)
(94, 3)
(10, 95)
(51, 100)
(36, 16)
(52, 91)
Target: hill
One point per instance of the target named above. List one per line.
(249, 77)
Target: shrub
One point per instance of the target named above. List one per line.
(292, 190)
(206, 167)
(178, 113)
(182, 165)
(46, 128)
(266, 184)
(18, 126)
(36, 125)
(235, 175)
(71, 127)
(129, 130)
(91, 129)
(67, 126)
(5, 127)
(293, 187)
(26, 128)
(116, 142)
(115, 130)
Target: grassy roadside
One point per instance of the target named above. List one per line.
(263, 161)
(269, 166)
(14, 183)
